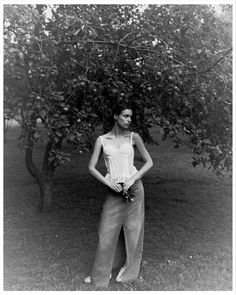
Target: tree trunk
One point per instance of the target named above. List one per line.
(5, 130)
(44, 181)
(47, 196)
(6, 126)
(44, 178)
(45, 200)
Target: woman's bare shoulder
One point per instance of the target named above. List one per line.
(107, 135)
(136, 135)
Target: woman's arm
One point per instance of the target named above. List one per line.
(94, 172)
(145, 156)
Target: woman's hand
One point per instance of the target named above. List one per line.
(128, 184)
(115, 186)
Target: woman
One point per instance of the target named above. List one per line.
(123, 211)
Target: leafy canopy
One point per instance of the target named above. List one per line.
(70, 66)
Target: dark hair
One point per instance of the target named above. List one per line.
(117, 110)
(121, 106)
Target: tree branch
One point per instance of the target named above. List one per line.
(148, 36)
(143, 49)
(119, 45)
(125, 37)
(216, 62)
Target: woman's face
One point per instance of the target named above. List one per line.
(124, 118)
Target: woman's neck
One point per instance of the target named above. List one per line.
(117, 131)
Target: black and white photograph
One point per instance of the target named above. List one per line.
(117, 142)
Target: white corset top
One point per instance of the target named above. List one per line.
(119, 161)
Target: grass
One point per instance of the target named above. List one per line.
(188, 226)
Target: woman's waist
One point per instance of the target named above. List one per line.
(122, 177)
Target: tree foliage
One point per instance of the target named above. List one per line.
(67, 65)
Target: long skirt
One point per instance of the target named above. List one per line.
(120, 237)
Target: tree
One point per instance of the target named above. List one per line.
(68, 68)
(201, 75)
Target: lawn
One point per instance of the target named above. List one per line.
(188, 225)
